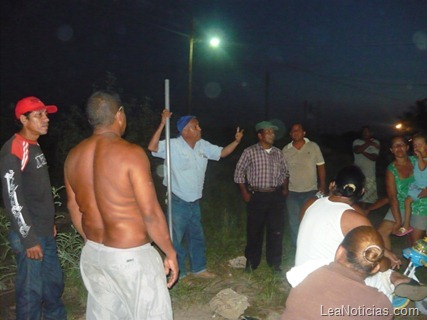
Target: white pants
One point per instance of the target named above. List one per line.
(381, 281)
(124, 283)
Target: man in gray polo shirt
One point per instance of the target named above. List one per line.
(307, 174)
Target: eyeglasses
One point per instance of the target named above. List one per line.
(121, 109)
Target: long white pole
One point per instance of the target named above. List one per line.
(168, 160)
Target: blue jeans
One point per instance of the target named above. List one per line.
(39, 284)
(187, 227)
(294, 203)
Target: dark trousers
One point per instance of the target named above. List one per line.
(266, 210)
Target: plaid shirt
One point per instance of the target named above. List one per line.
(261, 169)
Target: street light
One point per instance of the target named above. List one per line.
(214, 42)
(190, 69)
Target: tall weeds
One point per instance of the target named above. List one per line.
(7, 261)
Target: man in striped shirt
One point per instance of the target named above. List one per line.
(262, 175)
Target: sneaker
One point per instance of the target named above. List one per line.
(412, 290)
(399, 302)
(204, 275)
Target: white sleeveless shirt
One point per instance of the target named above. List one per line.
(320, 232)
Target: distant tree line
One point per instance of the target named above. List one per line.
(415, 119)
(68, 128)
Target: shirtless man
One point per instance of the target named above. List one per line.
(113, 205)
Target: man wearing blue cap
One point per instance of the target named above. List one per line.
(262, 175)
(189, 159)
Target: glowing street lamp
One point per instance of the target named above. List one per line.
(214, 43)
(404, 127)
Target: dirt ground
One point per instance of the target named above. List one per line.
(235, 279)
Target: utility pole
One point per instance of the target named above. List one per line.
(267, 93)
(190, 67)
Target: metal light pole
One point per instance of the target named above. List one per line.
(267, 94)
(168, 160)
(190, 67)
(214, 42)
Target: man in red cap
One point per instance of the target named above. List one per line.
(29, 204)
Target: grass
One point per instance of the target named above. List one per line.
(224, 221)
(7, 261)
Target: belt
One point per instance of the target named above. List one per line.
(256, 189)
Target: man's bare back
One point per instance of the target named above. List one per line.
(113, 205)
(111, 195)
(106, 170)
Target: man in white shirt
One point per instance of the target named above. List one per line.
(189, 159)
(366, 150)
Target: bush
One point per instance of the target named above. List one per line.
(7, 261)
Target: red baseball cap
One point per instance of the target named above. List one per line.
(29, 104)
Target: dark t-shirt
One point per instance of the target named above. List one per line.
(26, 189)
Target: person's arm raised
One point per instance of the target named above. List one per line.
(230, 148)
(153, 145)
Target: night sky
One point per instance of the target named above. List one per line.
(332, 65)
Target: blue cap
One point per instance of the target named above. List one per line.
(183, 121)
